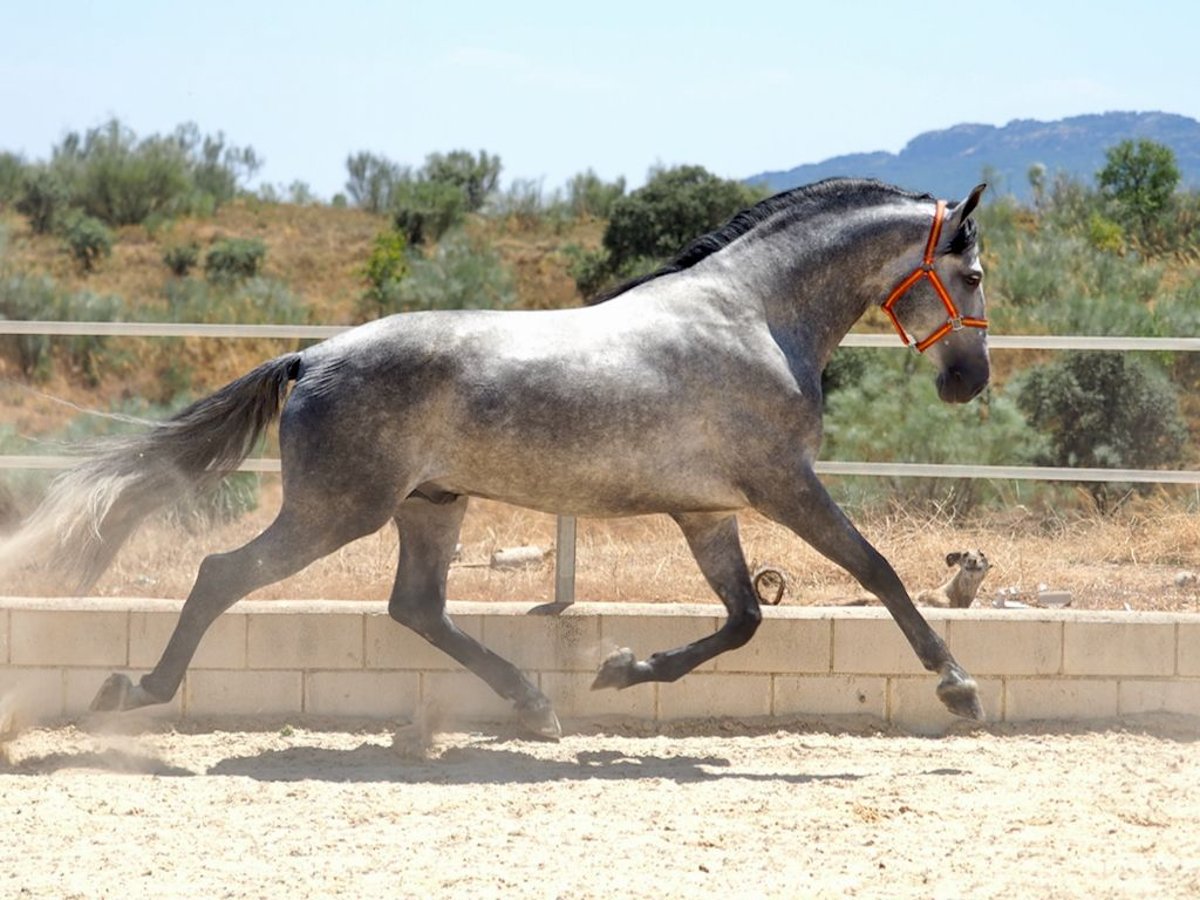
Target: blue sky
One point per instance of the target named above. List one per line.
(556, 88)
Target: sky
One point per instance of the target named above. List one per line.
(557, 88)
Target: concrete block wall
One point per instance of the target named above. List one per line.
(323, 658)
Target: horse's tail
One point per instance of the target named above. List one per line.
(92, 508)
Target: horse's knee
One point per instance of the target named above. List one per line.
(742, 627)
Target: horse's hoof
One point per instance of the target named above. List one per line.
(616, 670)
(540, 721)
(113, 694)
(958, 691)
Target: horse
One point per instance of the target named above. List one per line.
(693, 391)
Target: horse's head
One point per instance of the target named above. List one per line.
(939, 307)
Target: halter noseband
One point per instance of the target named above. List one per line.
(954, 321)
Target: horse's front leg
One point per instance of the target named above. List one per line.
(713, 539)
(807, 509)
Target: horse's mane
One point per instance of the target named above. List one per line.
(845, 193)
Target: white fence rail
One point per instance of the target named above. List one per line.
(565, 561)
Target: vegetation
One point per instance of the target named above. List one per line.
(1118, 258)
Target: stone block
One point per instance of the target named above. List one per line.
(221, 692)
(390, 645)
(301, 641)
(1175, 696)
(33, 694)
(1019, 647)
(69, 638)
(222, 647)
(548, 643)
(913, 704)
(1059, 698)
(783, 645)
(1123, 646)
(703, 695)
(875, 646)
(372, 695)
(647, 634)
(830, 695)
(573, 698)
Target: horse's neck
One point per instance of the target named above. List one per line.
(818, 281)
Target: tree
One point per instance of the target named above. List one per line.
(372, 181)
(475, 176)
(659, 219)
(1104, 410)
(1139, 177)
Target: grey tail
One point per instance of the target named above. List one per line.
(91, 509)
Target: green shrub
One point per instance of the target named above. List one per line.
(1103, 410)
(12, 173)
(234, 258)
(886, 409)
(42, 199)
(255, 301)
(181, 258)
(88, 240)
(423, 211)
(385, 268)
(458, 274)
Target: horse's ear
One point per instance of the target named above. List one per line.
(953, 558)
(964, 209)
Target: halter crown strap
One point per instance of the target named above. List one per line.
(954, 321)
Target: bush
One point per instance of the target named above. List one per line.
(423, 211)
(181, 258)
(863, 422)
(458, 274)
(372, 181)
(87, 239)
(255, 301)
(12, 173)
(232, 259)
(385, 267)
(43, 199)
(588, 196)
(475, 176)
(1103, 410)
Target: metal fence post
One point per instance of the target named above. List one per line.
(564, 561)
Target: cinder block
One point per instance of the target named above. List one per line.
(373, 695)
(1123, 647)
(69, 638)
(702, 695)
(875, 646)
(550, 643)
(573, 698)
(1189, 648)
(1021, 647)
(222, 647)
(462, 697)
(33, 694)
(217, 692)
(4, 637)
(647, 634)
(390, 645)
(1059, 698)
(830, 695)
(304, 641)
(792, 645)
(913, 704)
(81, 688)
(1176, 696)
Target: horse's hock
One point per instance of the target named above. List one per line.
(314, 658)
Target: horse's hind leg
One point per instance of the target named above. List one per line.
(428, 534)
(296, 538)
(713, 539)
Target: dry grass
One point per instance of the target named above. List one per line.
(1105, 562)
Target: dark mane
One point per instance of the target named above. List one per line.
(844, 192)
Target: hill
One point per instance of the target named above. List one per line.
(948, 162)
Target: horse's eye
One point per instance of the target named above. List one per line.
(973, 279)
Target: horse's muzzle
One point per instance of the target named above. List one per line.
(961, 383)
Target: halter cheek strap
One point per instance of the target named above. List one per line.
(954, 321)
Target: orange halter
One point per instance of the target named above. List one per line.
(954, 321)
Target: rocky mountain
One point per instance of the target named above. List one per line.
(948, 163)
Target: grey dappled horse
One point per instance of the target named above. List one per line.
(694, 391)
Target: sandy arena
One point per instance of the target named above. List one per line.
(716, 809)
